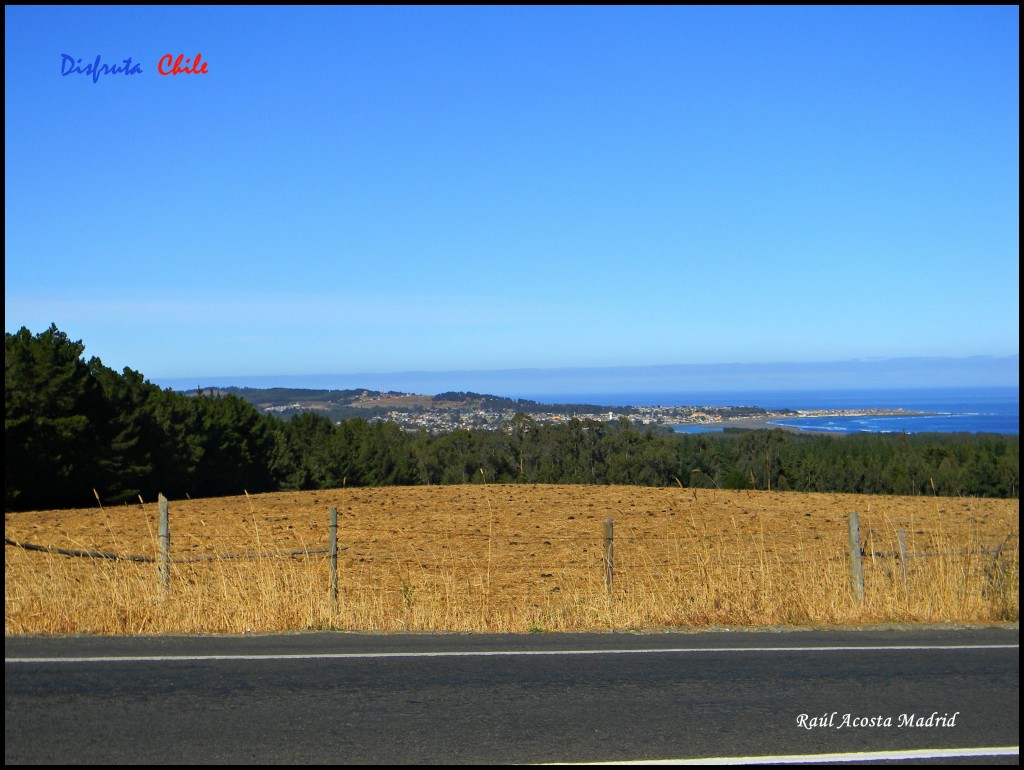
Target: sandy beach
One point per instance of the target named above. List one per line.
(753, 423)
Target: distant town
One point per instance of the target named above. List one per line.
(451, 411)
(473, 418)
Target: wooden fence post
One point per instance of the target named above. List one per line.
(609, 556)
(332, 547)
(164, 544)
(856, 565)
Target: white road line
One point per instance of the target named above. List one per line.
(502, 653)
(860, 756)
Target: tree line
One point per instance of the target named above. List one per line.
(76, 429)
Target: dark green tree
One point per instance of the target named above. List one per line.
(51, 435)
(127, 433)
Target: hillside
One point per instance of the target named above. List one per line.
(496, 557)
(458, 408)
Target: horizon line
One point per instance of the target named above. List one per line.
(850, 374)
(868, 361)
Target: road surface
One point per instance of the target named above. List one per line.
(427, 699)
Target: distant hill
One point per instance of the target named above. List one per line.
(360, 402)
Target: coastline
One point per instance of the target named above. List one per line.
(765, 422)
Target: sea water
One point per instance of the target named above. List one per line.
(946, 410)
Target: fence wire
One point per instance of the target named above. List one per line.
(639, 555)
(153, 560)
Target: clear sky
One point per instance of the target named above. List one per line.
(432, 189)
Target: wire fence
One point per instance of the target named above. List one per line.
(154, 560)
(635, 554)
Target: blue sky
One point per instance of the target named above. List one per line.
(433, 189)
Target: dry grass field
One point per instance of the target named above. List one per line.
(513, 558)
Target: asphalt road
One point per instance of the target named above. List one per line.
(429, 699)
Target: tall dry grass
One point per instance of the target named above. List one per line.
(487, 563)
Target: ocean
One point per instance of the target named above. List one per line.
(950, 410)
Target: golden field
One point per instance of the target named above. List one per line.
(513, 558)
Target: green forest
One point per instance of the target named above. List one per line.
(76, 430)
